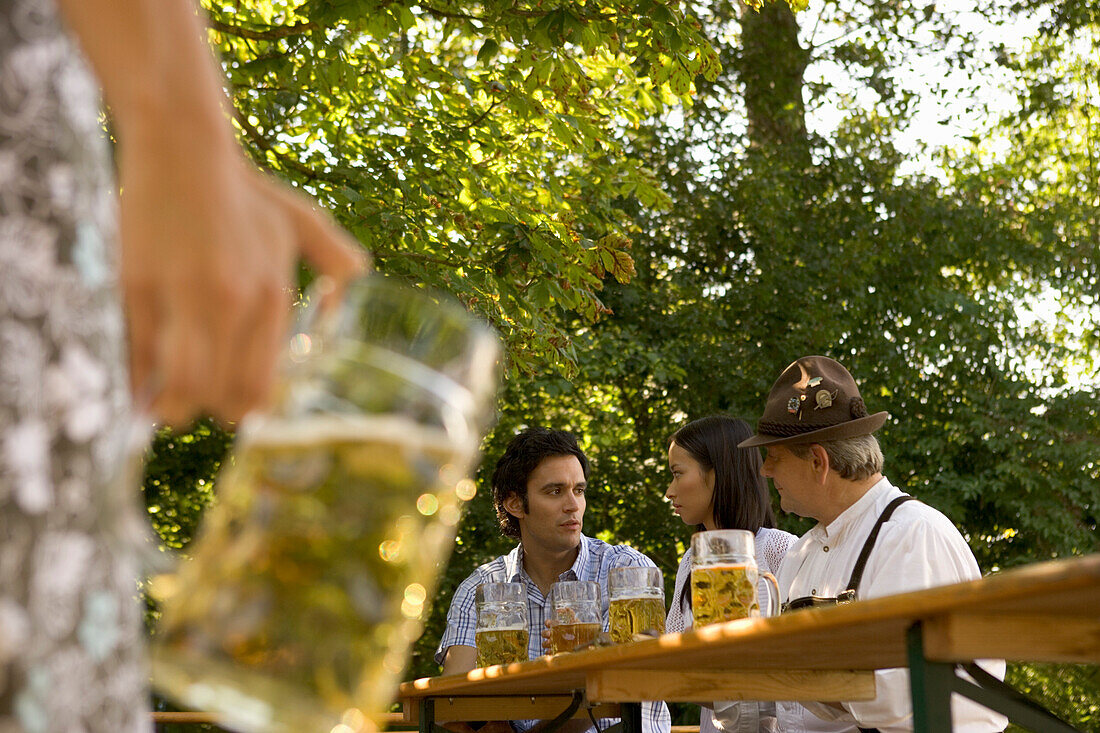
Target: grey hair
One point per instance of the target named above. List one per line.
(853, 458)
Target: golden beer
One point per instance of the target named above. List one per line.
(723, 593)
(630, 616)
(567, 637)
(501, 646)
(309, 581)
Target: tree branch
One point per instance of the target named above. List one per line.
(437, 13)
(268, 34)
(380, 254)
(583, 17)
(264, 144)
(480, 117)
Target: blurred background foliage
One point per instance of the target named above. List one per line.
(660, 205)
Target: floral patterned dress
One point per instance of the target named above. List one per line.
(70, 623)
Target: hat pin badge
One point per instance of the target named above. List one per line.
(825, 399)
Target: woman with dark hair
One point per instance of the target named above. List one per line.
(716, 485)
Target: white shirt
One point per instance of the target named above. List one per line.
(770, 545)
(918, 547)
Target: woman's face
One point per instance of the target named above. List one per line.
(691, 492)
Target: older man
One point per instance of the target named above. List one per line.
(826, 464)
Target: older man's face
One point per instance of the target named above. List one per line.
(793, 478)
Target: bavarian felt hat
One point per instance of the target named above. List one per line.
(815, 399)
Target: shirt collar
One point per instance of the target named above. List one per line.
(577, 570)
(513, 565)
(851, 516)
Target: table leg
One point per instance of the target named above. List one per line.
(930, 688)
(932, 683)
(427, 715)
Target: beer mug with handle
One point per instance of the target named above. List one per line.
(576, 619)
(637, 604)
(501, 635)
(724, 577)
(307, 584)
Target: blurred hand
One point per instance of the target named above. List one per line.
(210, 249)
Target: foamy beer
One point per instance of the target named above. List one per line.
(637, 602)
(501, 635)
(307, 584)
(576, 614)
(724, 577)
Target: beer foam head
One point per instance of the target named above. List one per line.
(510, 627)
(266, 431)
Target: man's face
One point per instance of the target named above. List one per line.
(555, 505)
(793, 478)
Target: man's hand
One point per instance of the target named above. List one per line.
(459, 659)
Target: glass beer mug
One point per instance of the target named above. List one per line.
(576, 620)
(306, 586)
(501, 635)
(724, 577)
(637, 602)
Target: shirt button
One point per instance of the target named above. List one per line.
(813, 591)
(826, 548)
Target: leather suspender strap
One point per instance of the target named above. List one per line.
(865, 553)
(861, 562)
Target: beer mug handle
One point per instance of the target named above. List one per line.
(773, 593)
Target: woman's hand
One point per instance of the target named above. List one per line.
(210, 247)
(210, 251)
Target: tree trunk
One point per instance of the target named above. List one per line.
(771, 67)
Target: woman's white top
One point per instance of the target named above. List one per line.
(748, 716)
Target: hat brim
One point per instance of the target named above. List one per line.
(849, 429)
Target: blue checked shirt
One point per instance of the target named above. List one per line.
(594, 562)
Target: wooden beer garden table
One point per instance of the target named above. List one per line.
(1047, 612)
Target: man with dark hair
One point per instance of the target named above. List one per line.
(539, 489)
(522, 457)
(826, 464)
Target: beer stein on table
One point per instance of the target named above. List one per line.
(307, 584)
(724, 577)
(501, 636)
(637, 602)
(576, 617)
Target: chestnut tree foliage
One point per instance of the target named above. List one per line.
(642, 198)
(469, 146)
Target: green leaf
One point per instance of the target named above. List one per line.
(488, 50)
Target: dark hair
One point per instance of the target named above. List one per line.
(740, 499)
(522, 456)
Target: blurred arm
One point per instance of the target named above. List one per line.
(209, 247)
(157, 71)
